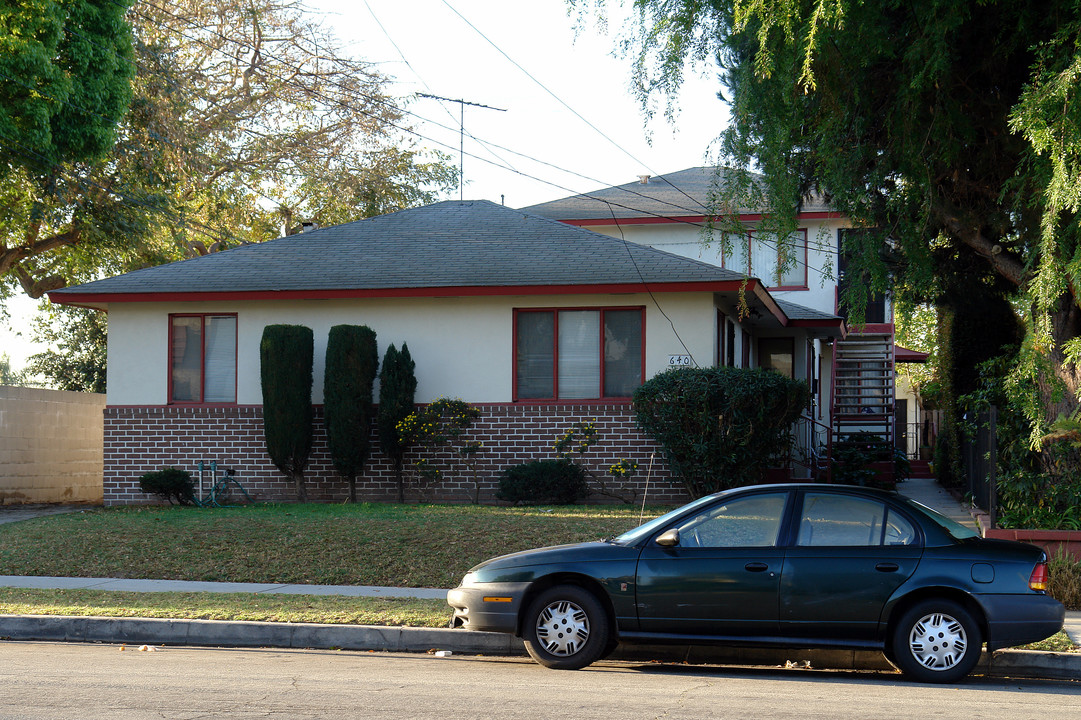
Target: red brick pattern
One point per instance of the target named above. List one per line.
(142, 439)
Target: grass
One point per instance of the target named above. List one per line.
(363, 544)
(1059, 642)
(263, 607)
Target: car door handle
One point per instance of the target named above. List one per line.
(887, 567)
(756, 567)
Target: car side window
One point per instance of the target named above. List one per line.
(843, 521)
(753, 521)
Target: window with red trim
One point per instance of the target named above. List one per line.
(778, 265)
(202, 359)
(578, 354)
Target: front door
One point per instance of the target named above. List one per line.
(722, 578)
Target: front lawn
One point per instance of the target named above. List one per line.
(362, 544)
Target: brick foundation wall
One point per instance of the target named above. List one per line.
(142, 439)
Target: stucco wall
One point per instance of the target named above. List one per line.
(687, 240)
(50, 446)
(463, 347)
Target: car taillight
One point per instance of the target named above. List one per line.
(1038, 579)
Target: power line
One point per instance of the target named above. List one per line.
(609, 203)
(461, 135)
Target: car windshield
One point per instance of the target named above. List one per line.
(634, 536)
(956, 530)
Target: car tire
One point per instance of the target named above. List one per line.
(566, 628)
(936, 641)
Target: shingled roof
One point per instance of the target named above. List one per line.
(683, 194)
(452, 245)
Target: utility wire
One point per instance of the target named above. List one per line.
(609, 203)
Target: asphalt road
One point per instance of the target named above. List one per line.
(46, 680)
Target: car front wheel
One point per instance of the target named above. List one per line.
(936, 641)
(566, 628)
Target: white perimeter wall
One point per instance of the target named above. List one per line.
(463, 347)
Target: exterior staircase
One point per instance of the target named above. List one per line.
(863, 397)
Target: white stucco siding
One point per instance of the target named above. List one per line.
(463, 347)
(137, 354)
(687, 240)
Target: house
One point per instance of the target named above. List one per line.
(853, 377)
(539, 323)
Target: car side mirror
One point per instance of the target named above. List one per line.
(669, 538)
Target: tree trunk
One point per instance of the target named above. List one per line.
(399, 475)
(298, 485)
(1060, 394)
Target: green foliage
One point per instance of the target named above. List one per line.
(951, 131)
(437, 426)
(572, 446)
(853, 456)
(352, 361)
(229, 135)
(1064, 580)
(66, 69)
(720, 427)
(1028, 499)
(79, 336)
(7, 375)
(285, 359)
(559, 482)
(397, 390)
(170, 483)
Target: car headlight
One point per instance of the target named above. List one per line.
(469, 579)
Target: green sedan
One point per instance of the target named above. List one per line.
(796, 566)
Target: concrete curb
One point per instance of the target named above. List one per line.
(216, 633)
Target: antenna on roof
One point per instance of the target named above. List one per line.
(461, 134)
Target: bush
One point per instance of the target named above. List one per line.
(854, 454)
(720, 427)
(397, 388)
(1064, 580)
(543, 481)
(172, 484)
(352, 362)
(285, 364)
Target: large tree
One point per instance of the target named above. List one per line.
(65, 83)
(76, 340)
(950, 129)
(244, 116)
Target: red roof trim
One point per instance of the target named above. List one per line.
(435, 292)
(683, 219)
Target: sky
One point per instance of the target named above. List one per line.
(567, 121)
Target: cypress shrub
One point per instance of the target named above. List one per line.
(397, 389)
(720, 427)
(285, 358)
(351, 365)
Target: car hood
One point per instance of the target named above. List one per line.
(595, 550)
